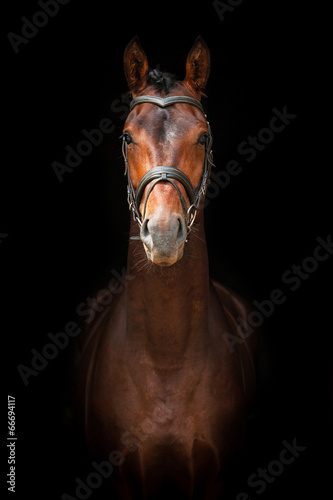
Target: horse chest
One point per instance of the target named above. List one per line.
(170, 427)
(140, 405)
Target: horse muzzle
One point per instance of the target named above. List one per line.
(163, 235)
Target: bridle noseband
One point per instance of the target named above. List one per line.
(168, 173)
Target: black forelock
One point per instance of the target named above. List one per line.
(164, 82)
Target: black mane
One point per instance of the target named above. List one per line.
(164, 82)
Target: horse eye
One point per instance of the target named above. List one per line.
(127, 138)
(202, 139)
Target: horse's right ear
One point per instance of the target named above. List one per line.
(198, 66)
(135, 65)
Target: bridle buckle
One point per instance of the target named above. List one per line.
(191, 215)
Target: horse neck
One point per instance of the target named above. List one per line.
(167, 308)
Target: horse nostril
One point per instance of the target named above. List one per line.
(181, 229)
(144, 229)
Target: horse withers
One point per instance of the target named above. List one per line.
(161, 390)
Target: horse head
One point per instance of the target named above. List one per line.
(166, 145)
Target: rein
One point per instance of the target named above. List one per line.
(164, 173)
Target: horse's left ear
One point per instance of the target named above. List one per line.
(198, 66)
(135, 65)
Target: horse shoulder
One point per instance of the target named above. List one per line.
(240, 338)
(235, 307)
(92, 352)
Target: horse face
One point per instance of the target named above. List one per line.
(176, 137)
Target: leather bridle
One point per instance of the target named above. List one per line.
(167, 173)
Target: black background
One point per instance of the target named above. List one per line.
(64, 238)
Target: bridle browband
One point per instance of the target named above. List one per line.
(163, 102)
(168, 173)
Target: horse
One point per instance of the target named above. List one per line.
(164, 392)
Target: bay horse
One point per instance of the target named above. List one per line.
(163, 395)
